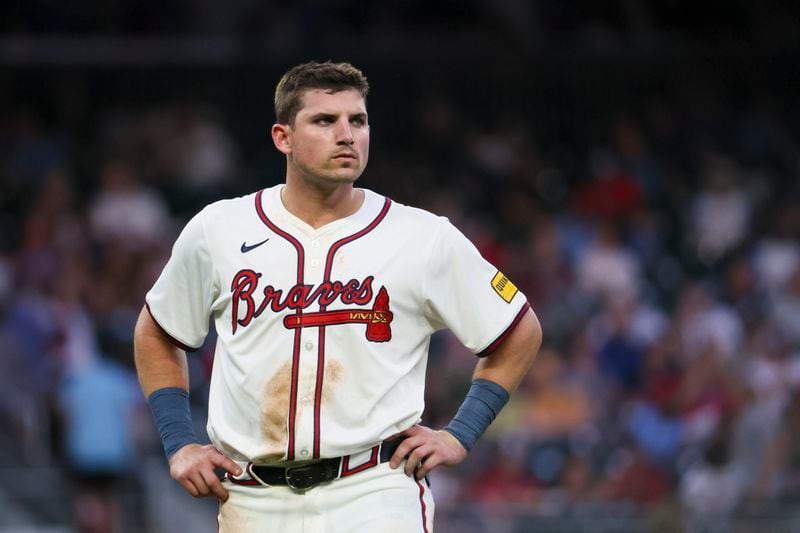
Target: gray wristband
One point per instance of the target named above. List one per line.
(484, 401)
(170, 407)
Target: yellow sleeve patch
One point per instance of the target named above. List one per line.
(503, 287)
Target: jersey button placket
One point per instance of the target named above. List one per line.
(315, 264)
(314, 261)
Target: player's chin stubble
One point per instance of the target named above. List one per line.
(328, 177)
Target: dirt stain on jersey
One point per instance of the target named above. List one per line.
(334, 373)
(275, 402)
(231, 519)
(275, 410)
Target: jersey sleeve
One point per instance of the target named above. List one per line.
(468, 295)
(180, 300)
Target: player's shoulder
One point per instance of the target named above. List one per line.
(410, 215)
(228, 209)
(227, 206)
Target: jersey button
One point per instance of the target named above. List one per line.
(305, 400)
(309, 346)
(314, 263)
(315, 243)
(304, 453)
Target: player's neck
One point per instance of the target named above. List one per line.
(318, 206)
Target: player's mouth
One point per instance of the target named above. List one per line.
(346, 155)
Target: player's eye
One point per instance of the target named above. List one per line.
(358, 121)
(325, 121)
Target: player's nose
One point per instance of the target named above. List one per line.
(344, 133)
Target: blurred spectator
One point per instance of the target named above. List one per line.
(703, 321)
(721, 211)
(204, 154)
(770, 377)
(543, 270)
(52, 227)
(606, 269)
(124, 211)
(632, 146)
(34, 151)
(540, 267)
(655, 431)
(551, 403)
(783, 459)
(78, 345)
(505, 483)
(741, 292)
(99, 402)
(637, 479)
(622, 333)
(610, 192)
(786, 310)
(705, 396)
(777, 254)
(711, 490)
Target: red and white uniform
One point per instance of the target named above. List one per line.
(323, 333)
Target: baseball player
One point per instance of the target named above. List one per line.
(324, 297)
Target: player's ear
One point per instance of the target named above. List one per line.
(280, 136)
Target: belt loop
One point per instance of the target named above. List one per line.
(253, 475)
(251, 480)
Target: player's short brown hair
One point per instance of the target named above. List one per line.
(312, 75)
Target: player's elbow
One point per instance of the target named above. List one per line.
(509, 364)
(145, 326)
(146, 334)
(530, 336)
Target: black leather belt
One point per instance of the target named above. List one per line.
(305, 476)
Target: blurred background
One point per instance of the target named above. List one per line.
(634, 167)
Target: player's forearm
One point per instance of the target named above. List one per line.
(509, 363)
(159, 363)
(495, 377)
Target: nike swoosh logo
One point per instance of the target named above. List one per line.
(245, 248)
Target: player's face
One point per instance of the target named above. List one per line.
(328, 143)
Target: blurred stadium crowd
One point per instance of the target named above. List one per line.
(658, 241)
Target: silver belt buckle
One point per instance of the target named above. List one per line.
(300, 478)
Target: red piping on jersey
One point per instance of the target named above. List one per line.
(499, 340)
(321, 351)
(424, 507)
(296, 350)
(172, 339)
(341, 242)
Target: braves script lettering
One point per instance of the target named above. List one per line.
(245, 284)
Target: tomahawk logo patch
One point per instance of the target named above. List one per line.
(503, 287)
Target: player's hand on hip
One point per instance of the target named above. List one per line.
(193, 467)
(424, 449)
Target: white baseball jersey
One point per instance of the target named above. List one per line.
(323, 333)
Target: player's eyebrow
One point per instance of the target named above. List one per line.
(332, 116)
(317, 116)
